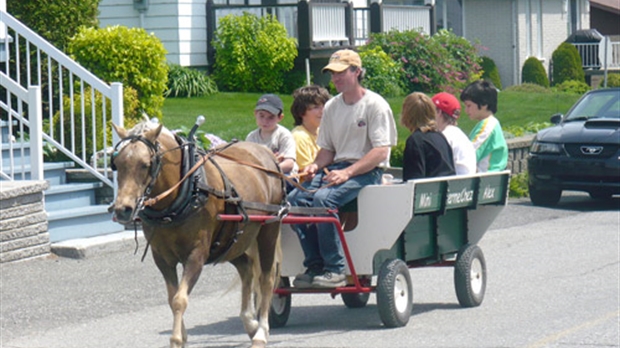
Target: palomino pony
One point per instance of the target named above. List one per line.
(178, 202)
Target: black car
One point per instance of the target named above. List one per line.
(581, 152)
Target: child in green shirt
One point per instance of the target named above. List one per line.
(480, 99)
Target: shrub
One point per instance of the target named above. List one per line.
(397, 155)
(382, 73)
(57, 21)
(188, 82)
(130, 107)
(127, 55)
(613, 80)
(575, 87)
(566, 64)
(490, 72)
(464, 60)
(534, 72)
(529, 129)
(429, 64)
(528, 88)
(293, 79)
(252, 54)
(519, 185)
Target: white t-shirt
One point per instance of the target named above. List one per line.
(463, 150)
(281, 142)
(351, 131)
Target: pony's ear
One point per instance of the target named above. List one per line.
(122, 133)
(152, 134)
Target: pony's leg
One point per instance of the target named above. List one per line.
(179, 301)
(243, 264)
(172, 286)
(268, 257)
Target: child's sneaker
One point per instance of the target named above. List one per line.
(329, 280)
(304, 280)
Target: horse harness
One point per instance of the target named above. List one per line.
(194, 191)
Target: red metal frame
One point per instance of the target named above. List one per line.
(300, 219)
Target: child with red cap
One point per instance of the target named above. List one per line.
(448, 110)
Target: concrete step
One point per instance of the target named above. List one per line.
(81, 223)
(20, 151)
(53, 172)
(67, 196)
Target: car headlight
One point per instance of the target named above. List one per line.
(549, 148)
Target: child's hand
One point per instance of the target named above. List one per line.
(279, 157)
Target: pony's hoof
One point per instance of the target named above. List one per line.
(258, 344)
(175, 343)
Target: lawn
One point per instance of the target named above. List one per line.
(230, 115)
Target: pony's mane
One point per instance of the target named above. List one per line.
(145, 126)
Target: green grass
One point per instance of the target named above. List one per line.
(230, 115)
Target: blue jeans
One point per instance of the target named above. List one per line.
(320, 242)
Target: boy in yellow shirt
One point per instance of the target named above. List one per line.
(307, 110)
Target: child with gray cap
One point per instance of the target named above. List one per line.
(268, 114)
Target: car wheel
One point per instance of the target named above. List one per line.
(470, 276)
(280, 306)
(544, 198)
(394, 293)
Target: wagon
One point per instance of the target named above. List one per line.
(424, 222)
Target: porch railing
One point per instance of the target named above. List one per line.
(76, 105)
(593, 54)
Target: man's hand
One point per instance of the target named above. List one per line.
(337, 177)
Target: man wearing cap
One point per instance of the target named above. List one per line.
(357, 132)
(448, 112)
(268, 113)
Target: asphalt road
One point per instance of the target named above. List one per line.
(553, 281)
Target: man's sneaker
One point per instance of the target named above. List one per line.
(304, 280)
(329, 280)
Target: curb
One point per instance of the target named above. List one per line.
(82, 248)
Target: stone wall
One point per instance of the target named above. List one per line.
(518, 150)
(23, 220)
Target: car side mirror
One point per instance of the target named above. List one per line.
(556, 118)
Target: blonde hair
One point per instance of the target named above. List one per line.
(418, 113)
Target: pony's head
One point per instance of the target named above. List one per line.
(138, 160)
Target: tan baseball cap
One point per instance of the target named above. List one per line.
(341, 60)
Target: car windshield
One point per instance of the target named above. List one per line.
(596, 105)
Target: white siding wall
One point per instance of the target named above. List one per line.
(489, 23)
(492, 23)
(179, 24)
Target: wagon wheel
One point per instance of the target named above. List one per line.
(394, 293)
(470, 276)
(355, 300)
(280, 306)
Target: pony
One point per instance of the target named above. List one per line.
(178, 193)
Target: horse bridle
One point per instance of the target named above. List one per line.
(154, 169)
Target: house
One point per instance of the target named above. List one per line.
(605, 17)
(510, 31)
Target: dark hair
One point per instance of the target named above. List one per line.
(449, 119)
(360, 77)
(306, 96)
(482, 93)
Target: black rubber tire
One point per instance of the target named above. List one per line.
(470, 276)
(394, 293)
(358, 300)
(280, 308)
(544, 198)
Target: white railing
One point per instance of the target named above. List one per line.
(593, 55)
(77, 106)
(404, 18)
(328, 24)
(18, 165)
